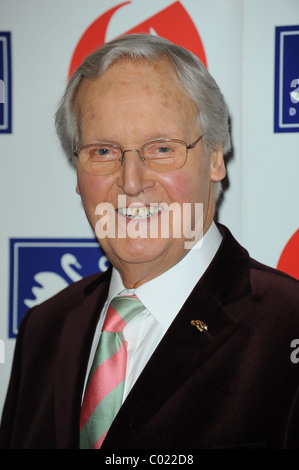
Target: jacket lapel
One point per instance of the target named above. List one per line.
(75, 344)
(184, 348)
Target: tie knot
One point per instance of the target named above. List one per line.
(121, 310)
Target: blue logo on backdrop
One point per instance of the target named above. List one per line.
(39, 268)
(286, 117)
(5, 83)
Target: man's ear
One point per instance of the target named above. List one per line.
(77, 189)
(218, 170)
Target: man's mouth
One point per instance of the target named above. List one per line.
(144, 212)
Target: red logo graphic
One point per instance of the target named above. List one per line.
(172, 23)
(289, 259)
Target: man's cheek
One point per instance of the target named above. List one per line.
(179, 187)
(93, 189)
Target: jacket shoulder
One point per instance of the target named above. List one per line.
(279, 290)
(268, 275)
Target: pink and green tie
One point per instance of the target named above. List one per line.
(104, 391)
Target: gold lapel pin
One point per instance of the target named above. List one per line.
(200, 325)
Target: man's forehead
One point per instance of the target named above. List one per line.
(151, 78)
(126, 71)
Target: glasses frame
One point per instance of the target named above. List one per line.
(121, 159)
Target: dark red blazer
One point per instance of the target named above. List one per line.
(233, 386)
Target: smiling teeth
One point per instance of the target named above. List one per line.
(139, 212)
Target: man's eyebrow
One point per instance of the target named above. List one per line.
(156, 136)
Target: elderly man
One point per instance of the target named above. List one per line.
(176, 346)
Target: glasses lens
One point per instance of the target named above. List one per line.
(99, 159)
(165, 155)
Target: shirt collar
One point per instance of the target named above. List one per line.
(177, 282)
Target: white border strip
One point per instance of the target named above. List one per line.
(5, 79)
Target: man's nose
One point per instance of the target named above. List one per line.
(131, 150)
(133, 178)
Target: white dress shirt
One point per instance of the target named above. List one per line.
(163, 297)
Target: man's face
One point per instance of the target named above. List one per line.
(130, 104)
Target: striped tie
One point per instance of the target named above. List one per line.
(104, 391)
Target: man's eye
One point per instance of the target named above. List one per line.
(163, 149)
(102, 151)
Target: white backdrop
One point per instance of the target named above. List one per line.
(38, 199)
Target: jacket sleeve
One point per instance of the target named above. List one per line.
(11, 401)
(292, 431)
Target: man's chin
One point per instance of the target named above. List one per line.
(136, 251)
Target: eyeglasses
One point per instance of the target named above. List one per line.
(158, 155)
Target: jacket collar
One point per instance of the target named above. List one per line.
(228, 277)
